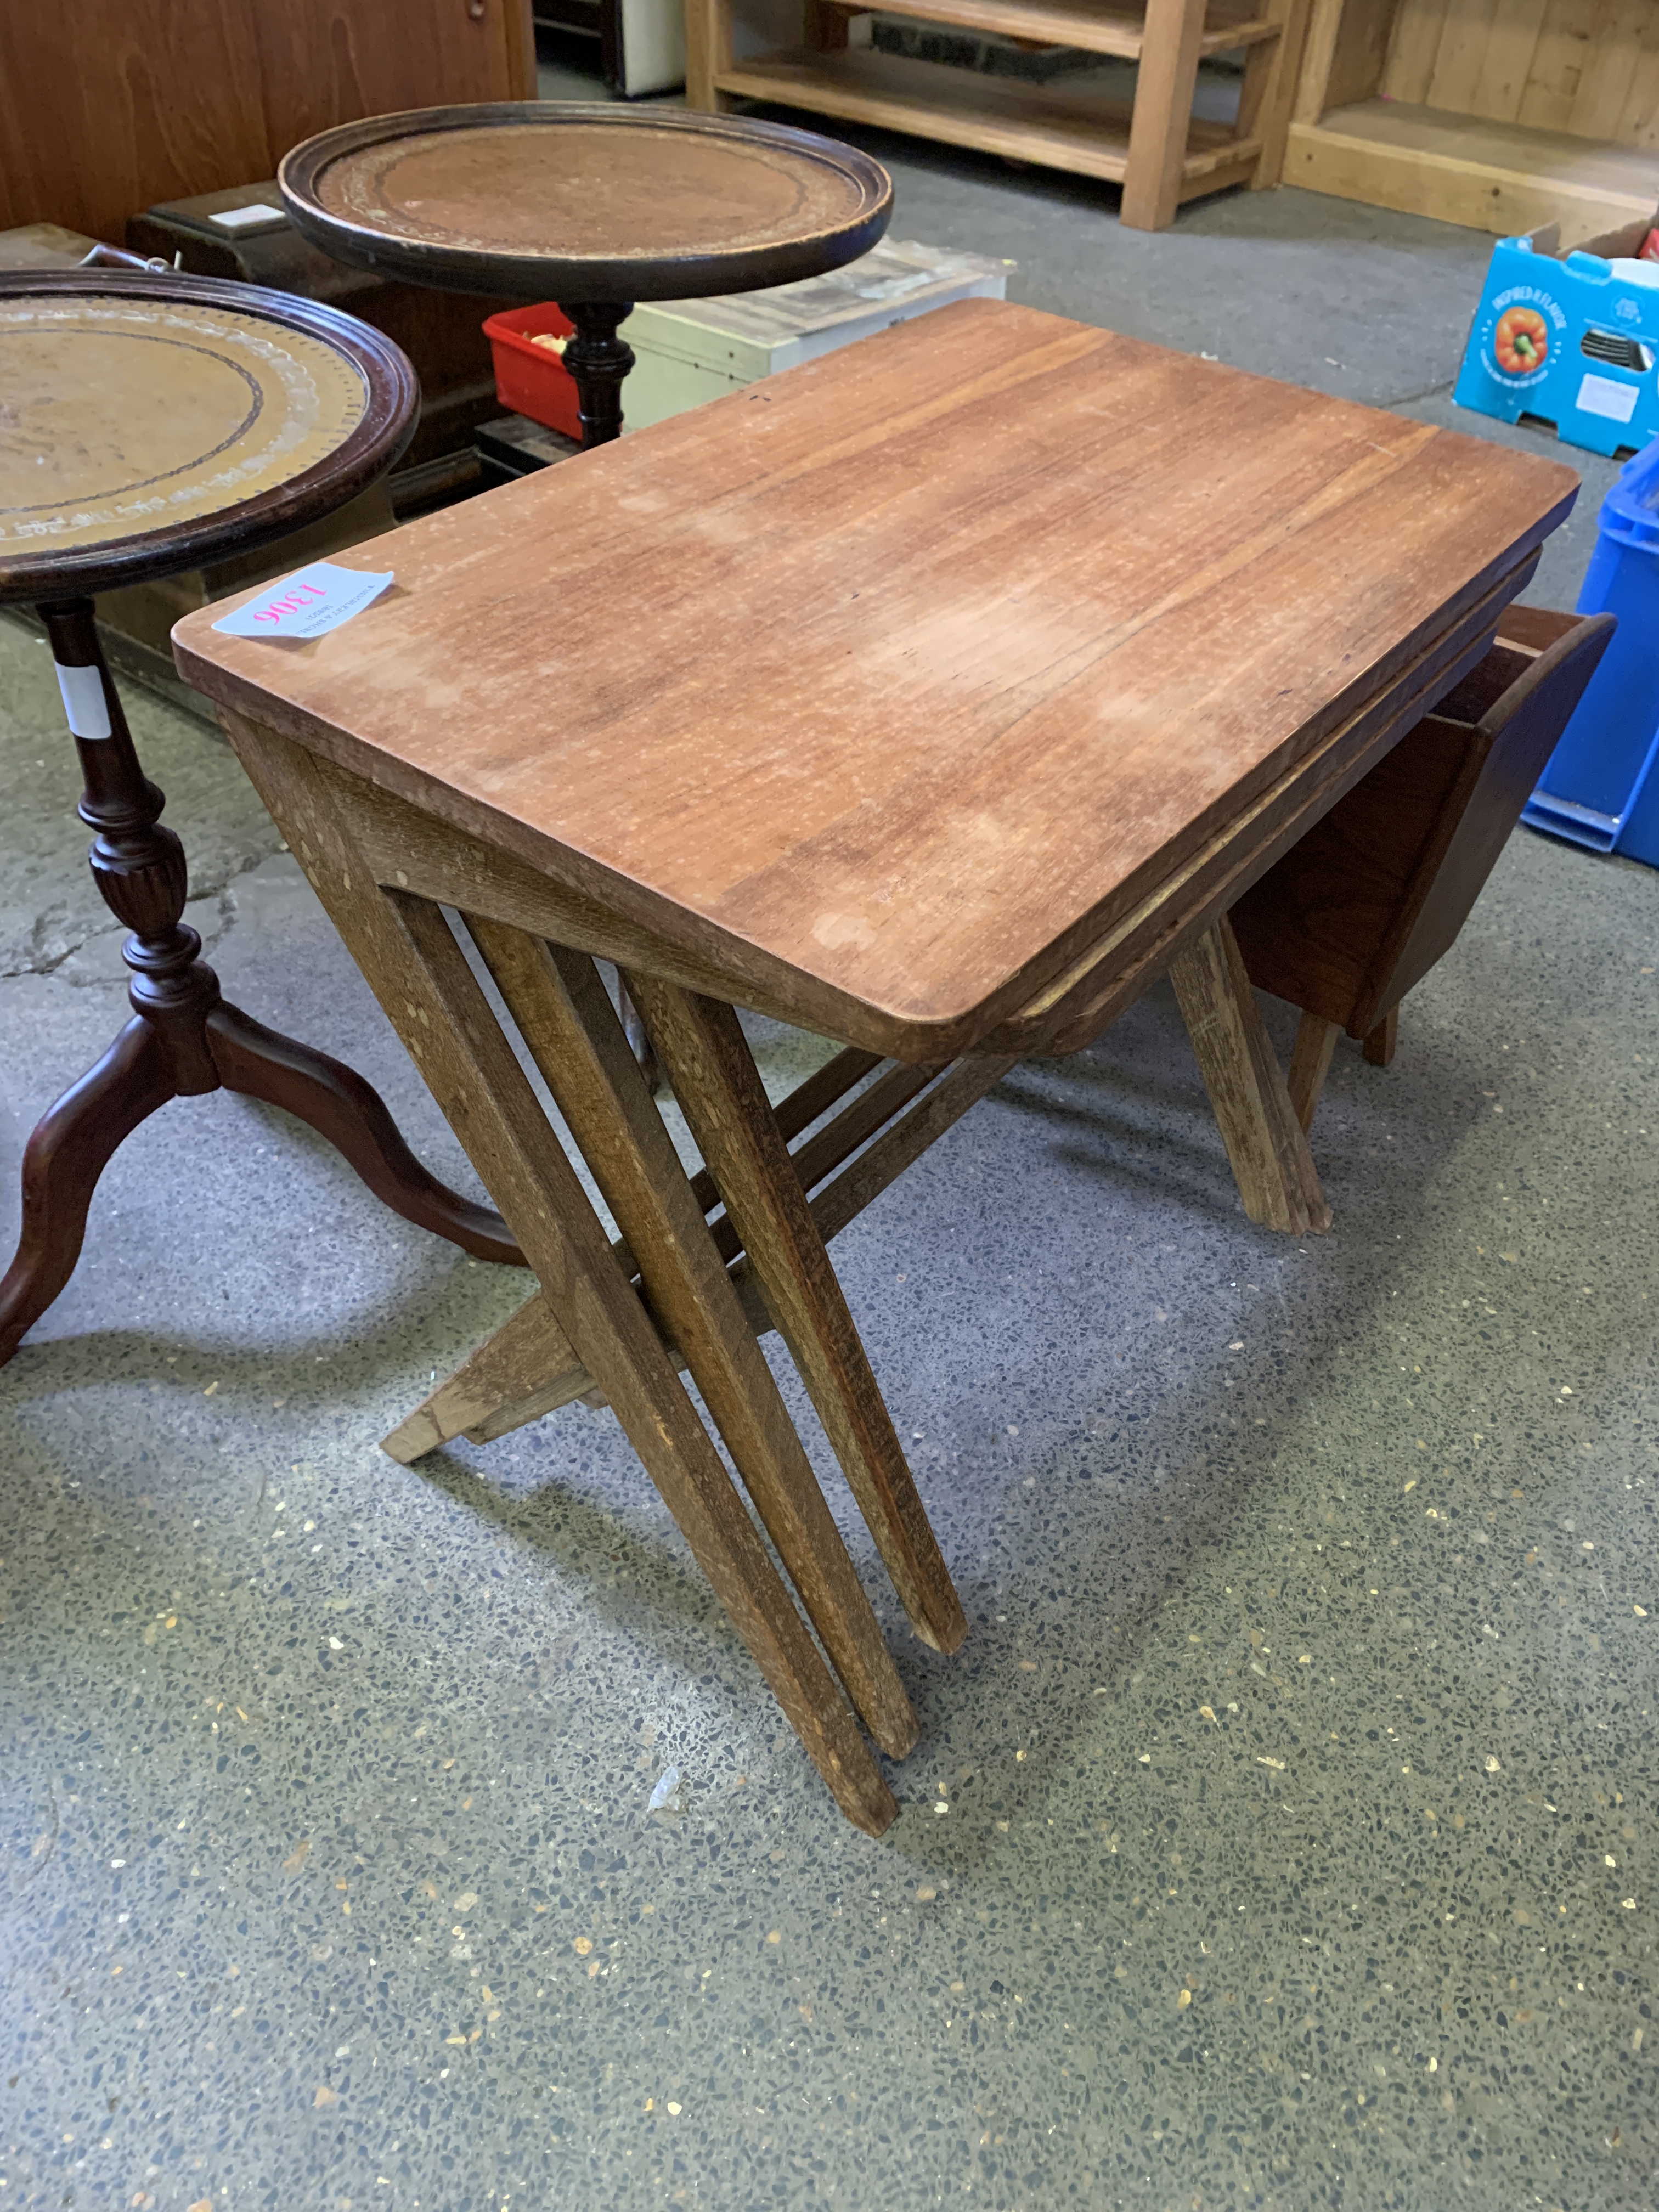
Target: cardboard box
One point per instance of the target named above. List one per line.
(690, 350)
(1561, 339)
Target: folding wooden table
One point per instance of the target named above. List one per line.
(936, 697)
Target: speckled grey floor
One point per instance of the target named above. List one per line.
(1284, 1835)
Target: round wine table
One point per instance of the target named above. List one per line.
(155, 423)
(596, 207)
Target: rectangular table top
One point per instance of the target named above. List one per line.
(898, 675)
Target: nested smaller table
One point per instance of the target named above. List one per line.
(938, 697)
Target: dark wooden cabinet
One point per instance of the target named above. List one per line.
(110, 105)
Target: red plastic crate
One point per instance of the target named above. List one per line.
(531, 379)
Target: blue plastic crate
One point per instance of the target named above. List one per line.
(1602, 789)
(1569, 341)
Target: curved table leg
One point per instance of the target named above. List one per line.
(70, 1148)
(334, 1100)
(183, 1041)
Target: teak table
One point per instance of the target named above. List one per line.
(937, 695)
(150, 423)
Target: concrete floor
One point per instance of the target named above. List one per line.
(1283, 1835)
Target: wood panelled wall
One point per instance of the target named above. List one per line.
(108, 105)
(1590, 67)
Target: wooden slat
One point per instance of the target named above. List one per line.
(1638, 123)
(528, 1368)
(529, 1360)
(1266, 1142)
(566, 1019)
(1460, 56)
(1612, 55)
(1558, 64)
(708, 53)
(412, 963)
(1050, 125)
(801, 1107)
(1419, 26)
(1268, 92)
(1496, 177)
(1507, 62)
(839, 1139)
(1313, 94)
(1243, 169)
(909, 1137)
(1261, 28)
(958, 107)
(718, 1091)
(1096, 27)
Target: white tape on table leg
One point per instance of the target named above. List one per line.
(83, 701)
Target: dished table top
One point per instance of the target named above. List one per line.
(890, 680)
(545, 200)
(149, 422)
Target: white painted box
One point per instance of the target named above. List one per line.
(689, 350)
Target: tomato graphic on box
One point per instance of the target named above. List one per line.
(1521, 340)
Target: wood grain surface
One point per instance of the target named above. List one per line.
(110, 105)
(886, 687)
(1590, 67)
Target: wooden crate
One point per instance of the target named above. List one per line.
(1158, 150)
(1501, 114)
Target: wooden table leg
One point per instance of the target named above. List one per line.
(1310, 1063)
(1381, 1041)
(720, 1091)
(564, 1014)
(527, 1368)
(1265, 1143)
(415, 967)
(1162, 109)
(708, 37)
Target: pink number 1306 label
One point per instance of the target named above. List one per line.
(308, 603)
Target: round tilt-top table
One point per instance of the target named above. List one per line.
(154, 422)
(597, 208)
(594, 207)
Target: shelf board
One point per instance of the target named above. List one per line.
(1498, 177)
(1092, 27)
(1045, 123)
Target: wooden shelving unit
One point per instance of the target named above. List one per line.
(1157, 148)
(1504, 115)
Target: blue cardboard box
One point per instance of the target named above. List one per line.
(1563, 339)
